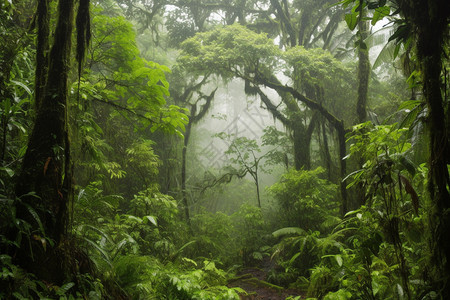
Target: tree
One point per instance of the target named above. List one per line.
(198, 109)
(47, 170)
(429, 21)
(235, 51)
(243, 154)
(124, 98)
(426, 24)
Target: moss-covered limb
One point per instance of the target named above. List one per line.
(250, 279)
(335, 122)
(261, 283)
(240, 277)
(294, 121)
(285, 20)
(273, 108)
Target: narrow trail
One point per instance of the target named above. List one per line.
(254, 282)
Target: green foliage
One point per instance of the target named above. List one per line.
(118, 70)
(299, 253)
(144, 278)
(315, 66)
(141, 249)
(387, 166)
(305, 200)
(16, 85)
(227, 50)
(148, 226)
(249, 229)
(244, 158)
(231, 240)
(121, 107)
(282, 152)
(380, 10)
(16, 282)
(213, 237)
(382, 246)
(226, 198)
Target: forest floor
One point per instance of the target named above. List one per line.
(254, 282)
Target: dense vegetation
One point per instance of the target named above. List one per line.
(224, 149)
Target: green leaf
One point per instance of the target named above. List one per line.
(293, 258)
(35, 216)
(409, 105)
(396, 50)
(189, 261)
(400, 291)
(351, 20)
(63, 289)
(99, 249)
(408, 165)
(380, 13)
(27, 89)
(8, 171)
(151, 219)
(19, 296)
(134, 218)
(288, 231)
(401, 33)
(338, 260)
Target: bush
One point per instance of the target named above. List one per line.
(305, 200)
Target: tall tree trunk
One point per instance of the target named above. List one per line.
(429, 46)
(45, 169)
(187, 135)
(301, 147)
(430, 21)
(363, 88)
(326, 151)
(42, 45)
(363, 72)
(340, 130)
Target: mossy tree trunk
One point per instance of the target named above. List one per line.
(429, 21)
(46, 165)
(363, 88)
(42, 45)
(429, 46)
(193, 118)
(363, 69)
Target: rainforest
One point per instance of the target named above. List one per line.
(224, 149)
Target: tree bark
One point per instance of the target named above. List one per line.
(187, 135)
(430, 50)
(430, 21)
(363, 72)
(363, 88)
(46, 164)
(301, 146)
(42, 46)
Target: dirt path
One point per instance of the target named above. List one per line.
(253, 281)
